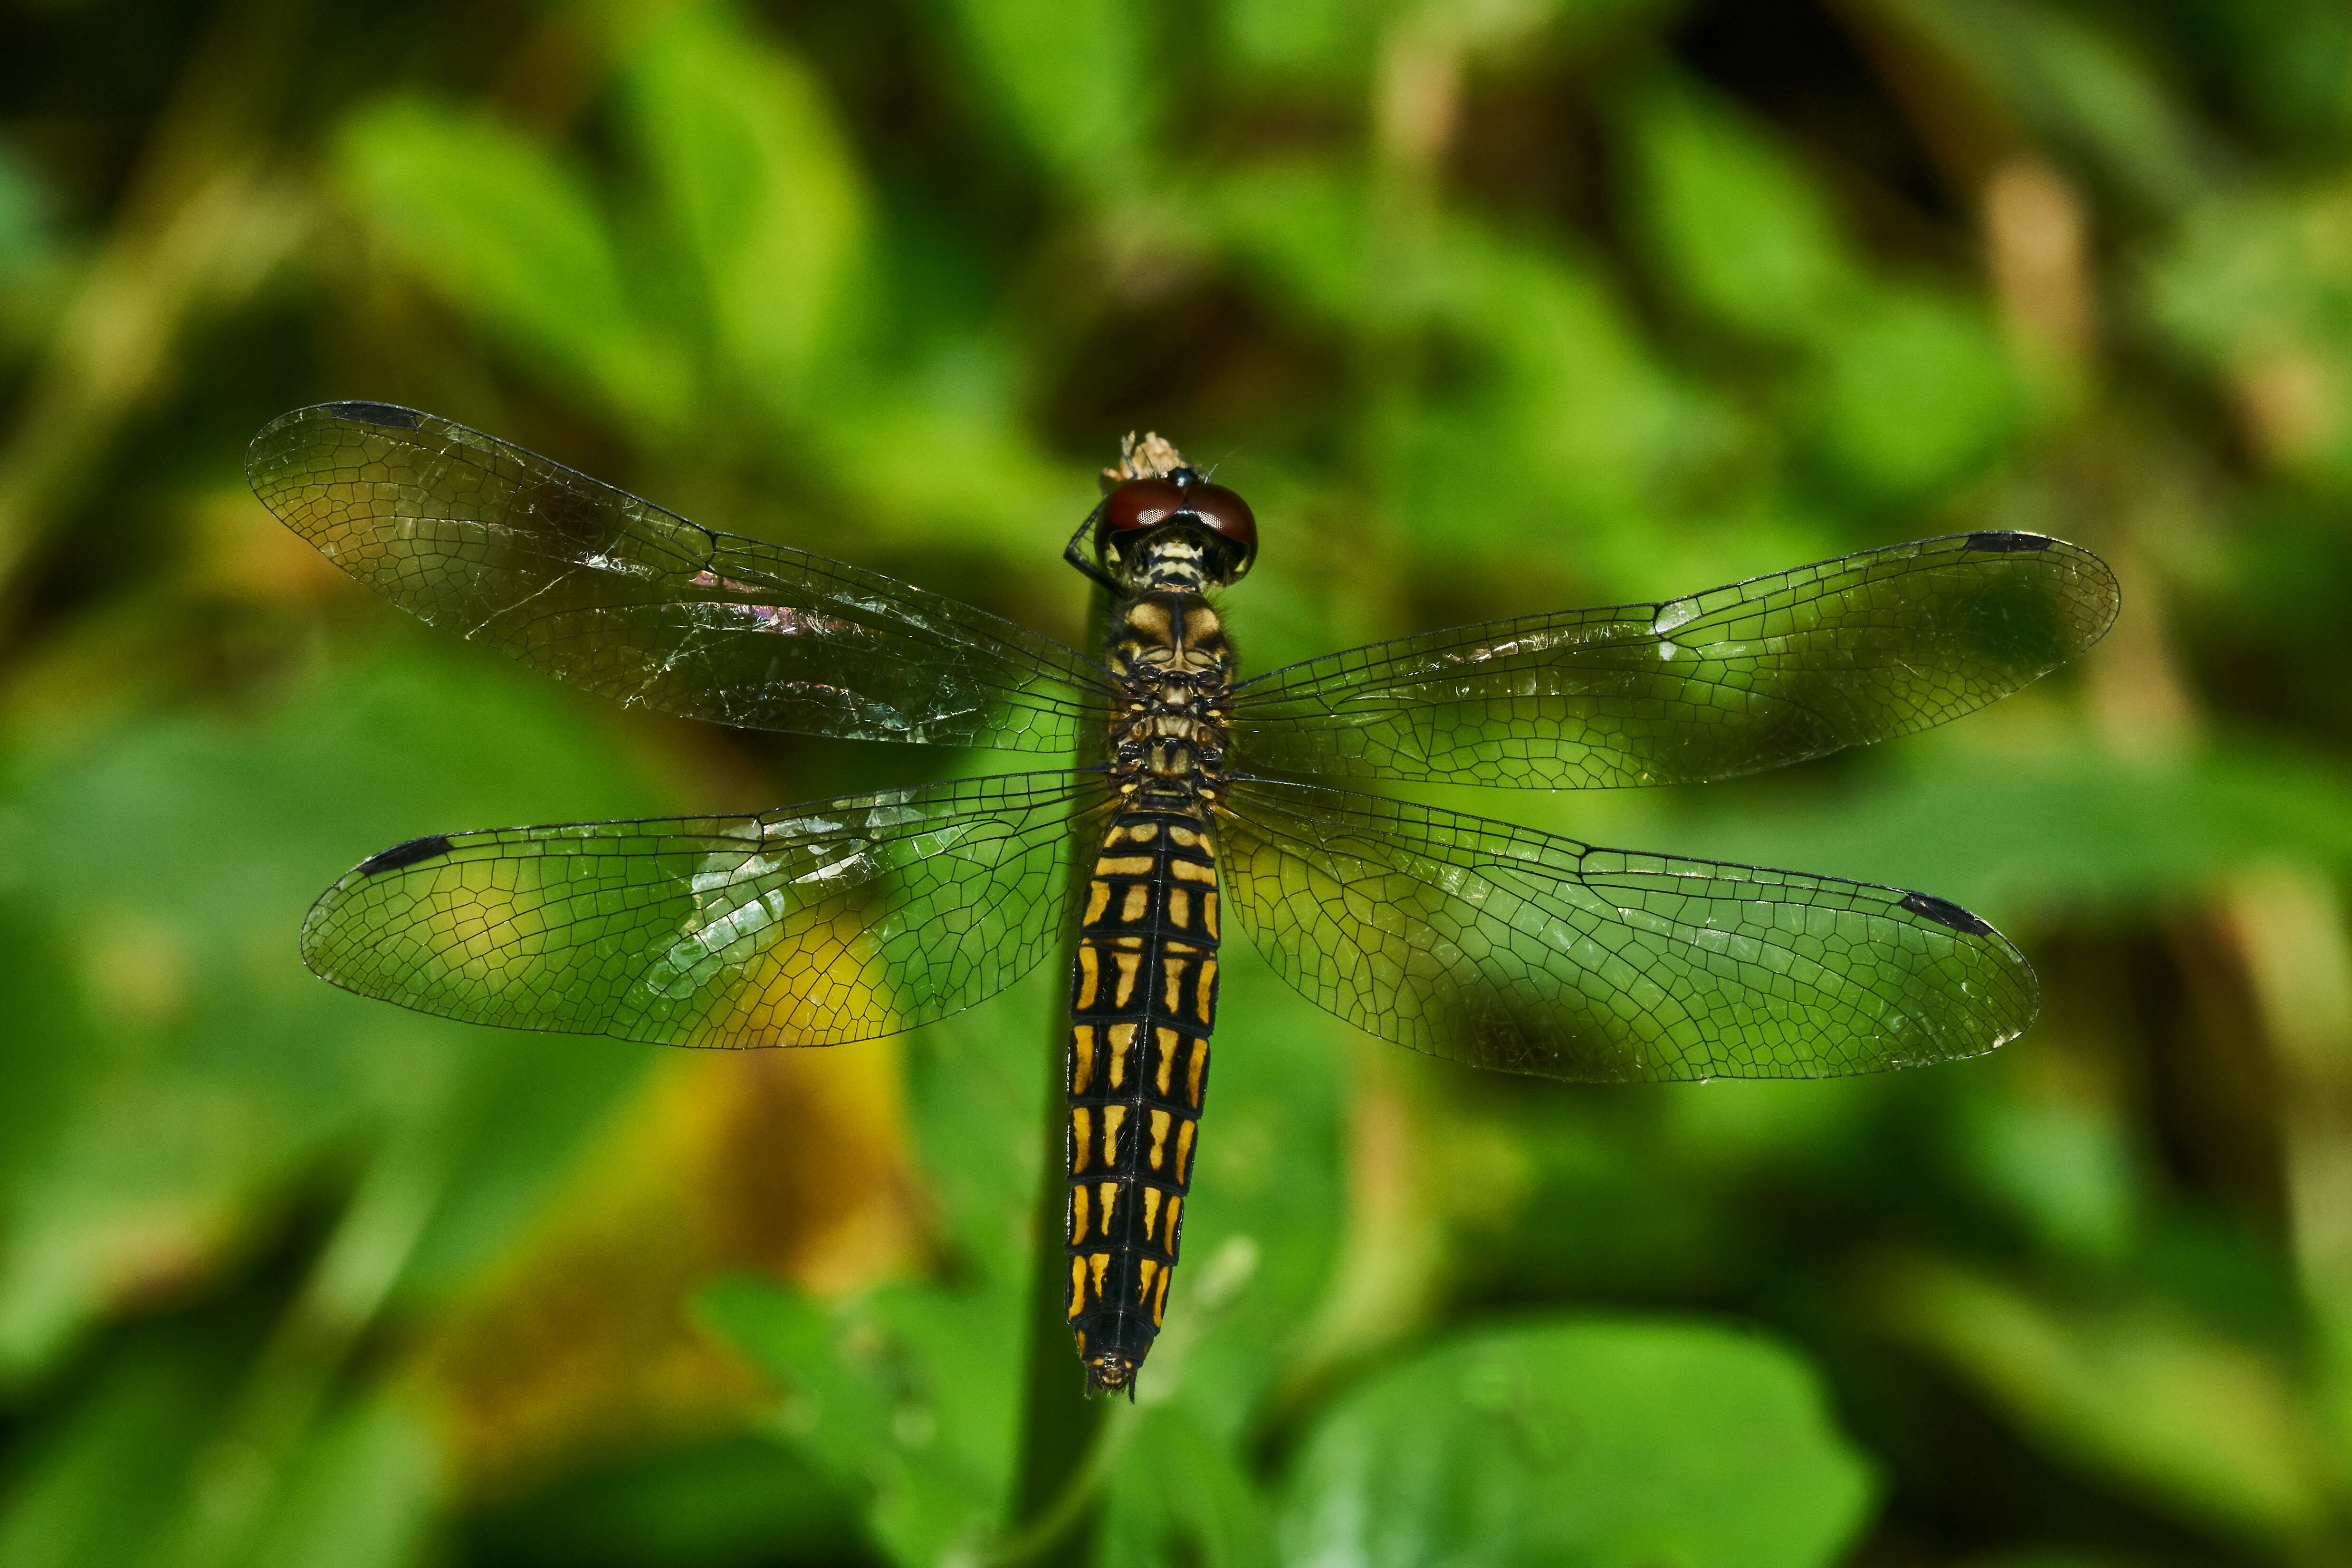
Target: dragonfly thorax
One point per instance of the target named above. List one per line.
(1174, 665)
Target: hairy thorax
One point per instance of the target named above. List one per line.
(1175, 668)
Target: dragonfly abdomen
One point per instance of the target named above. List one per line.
(1143, 1003)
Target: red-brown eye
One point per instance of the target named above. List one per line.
(1225, 513)
(1142, 503)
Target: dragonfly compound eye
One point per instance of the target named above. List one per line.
(1140, 504)
(1227, 515)
(1135, 507)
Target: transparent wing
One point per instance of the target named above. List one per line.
(818, 924)
(1511, 949)
(1764, 672)
(612, 594)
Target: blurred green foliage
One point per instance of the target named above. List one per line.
(1490, 306)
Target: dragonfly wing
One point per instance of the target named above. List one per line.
(1751, 676)
(612, 594)
(844, 920)
(1522, 951)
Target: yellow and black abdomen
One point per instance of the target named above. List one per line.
(1142, 1006)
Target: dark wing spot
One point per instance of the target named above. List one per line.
(2007, 543)
(564, 510)
(390, 414)
(1941, 910)
(407, 854)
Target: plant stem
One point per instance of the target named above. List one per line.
(1060, 1427)
(239, 1476)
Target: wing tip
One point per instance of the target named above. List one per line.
(350, 411)
(1943, 911)
(2104, 598)
(408, 852)
(2007, 542)
(362, 411)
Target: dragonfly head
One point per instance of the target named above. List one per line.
(1163, 525)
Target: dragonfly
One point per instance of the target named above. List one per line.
(1179, 794)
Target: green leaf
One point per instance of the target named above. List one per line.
(1561, 422)
(956, 412)
(2283, 64)
(2254, 285)
(758, 175)
(1606, 1444)
(1074, 77)
(1913, 392)
(25, 219)
(512, 239)
(93, 1488)
(905, 1400)
(51, 1031)
(2204, 1427)
(529, 1109)
(362, 1494)
(1177, 1498)
(2078, 83)
(1300, 228)
(975, 1096)
(2064, 1169)
(1905, 390)
(1736, 224)
(2059, 829)
(185, 851)
(735, 1499)
(1320, 39)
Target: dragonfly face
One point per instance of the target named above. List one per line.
(1179, 533)
(1463, 938)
